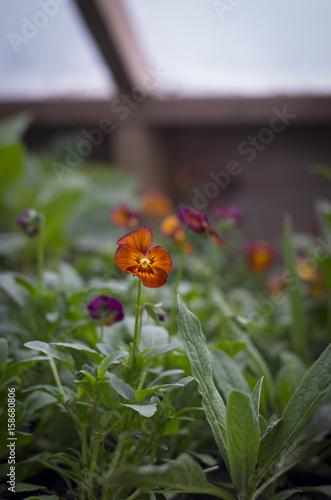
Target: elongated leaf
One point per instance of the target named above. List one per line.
(144, 410)
(181, 475)
(121, 387)
(63, 356)
(227, 374)
(194, 343)
(299, 327)
(16, 369)
(285, 494)
(303, 402)
(256, 395)
(111, 358)
(243, 438)
(80, 347)
(3, 354)
(43, 497)
(140, 395)
(155, 351)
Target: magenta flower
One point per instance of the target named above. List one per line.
(195, 219)
(106, 309)
(198, 222)
(230, 214)
(30, 221)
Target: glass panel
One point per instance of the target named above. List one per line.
(249, 47)
(47, 51)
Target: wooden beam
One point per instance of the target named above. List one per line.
(111, 29)
(174, 112)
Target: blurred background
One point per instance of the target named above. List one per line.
(206, 100)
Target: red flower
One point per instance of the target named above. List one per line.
(135, 255)
(260, 255)
(124, 216)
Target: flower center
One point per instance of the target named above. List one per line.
(144, 262)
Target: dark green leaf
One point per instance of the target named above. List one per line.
(243, 438)
(194, 343)
(63, 356)
(147, 410)
(227, 374)
(181, 475)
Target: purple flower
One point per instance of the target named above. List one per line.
(30, 221)
(195, 219)
(230, 214)
(106, 309)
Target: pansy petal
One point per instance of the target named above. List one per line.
(151, 277)
(140, 239)
(195, 219)
(159, 257)
(126, 257)
(216, 239)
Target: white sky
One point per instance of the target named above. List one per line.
(60, 60)
(258, 47)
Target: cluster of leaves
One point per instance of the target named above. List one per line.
(250, 397)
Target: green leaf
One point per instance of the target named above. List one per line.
(194, 343)
(21, 487)
(63, 356)
(125, 390)
(155, 351)
(108, 360)
(23, 438)
(325, 489)
(143, 393)
(11, 164)
(82, 348)
(43, 497)
(227, 374)
(3, 354)
(28, 285)
(171, 427)
(16, 369)
(243, 438)
(152, 336)
(301, 405)
(13, 128)
(181, 475)
(144, 410)
(9, 286)
(256, 396)
(285, 494)
(299, 329)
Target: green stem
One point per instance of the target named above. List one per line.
(96, 444)
(41, 255)
(56, 376)
(101, 331)
(135, 494)
(153, 454)
(135, 335)
(178, 278)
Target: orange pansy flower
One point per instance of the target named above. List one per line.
(156, 203)
(124, 216)
(135, 255)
